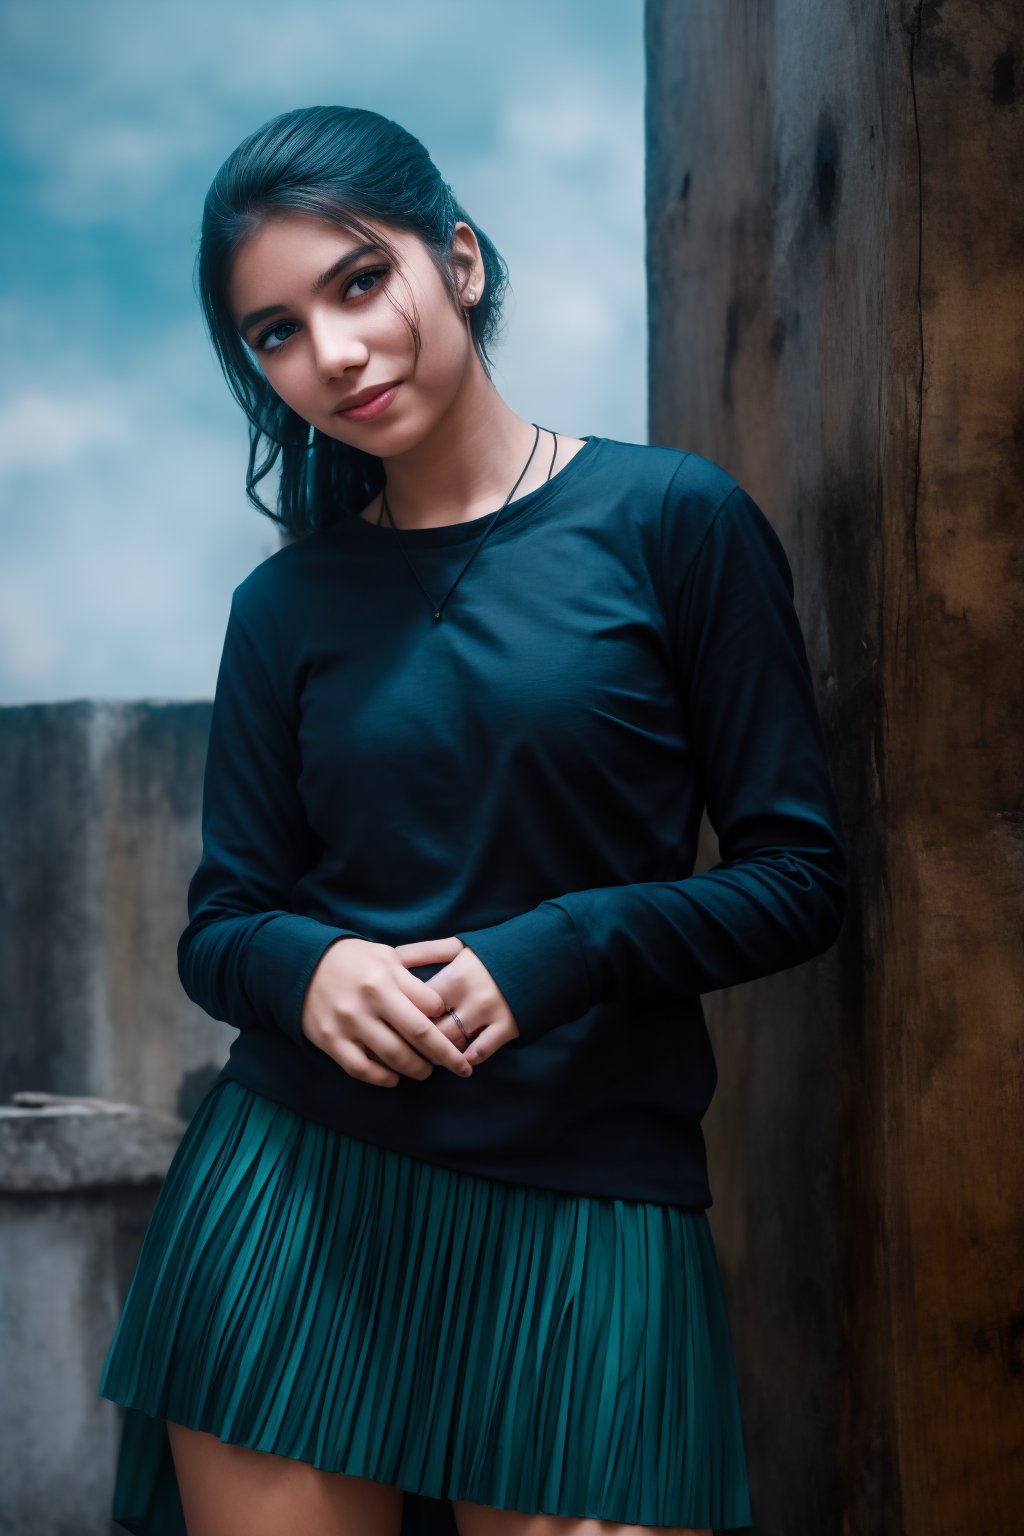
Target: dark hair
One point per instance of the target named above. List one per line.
(345, 165)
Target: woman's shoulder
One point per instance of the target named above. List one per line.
(279, 580)
(671, 495)
(676, 474)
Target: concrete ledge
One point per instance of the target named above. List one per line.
(54, 1142)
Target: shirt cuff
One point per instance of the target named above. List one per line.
(281, 957)
(538, 965)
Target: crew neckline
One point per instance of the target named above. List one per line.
(509, 516)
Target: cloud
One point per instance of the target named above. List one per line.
(107, 106)
(125, 521)
(573, 233)
(51, 427)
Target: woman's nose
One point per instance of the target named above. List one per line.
(335, 348)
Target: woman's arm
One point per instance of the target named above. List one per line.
(777, 896)
(245, 957)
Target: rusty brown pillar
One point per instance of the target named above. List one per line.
(835, 219)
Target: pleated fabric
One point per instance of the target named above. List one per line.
(303, 1292)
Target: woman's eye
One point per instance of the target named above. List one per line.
(366, 272)
(263, 339)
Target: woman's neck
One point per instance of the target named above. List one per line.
(468, 466)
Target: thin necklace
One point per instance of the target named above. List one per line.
(385, 507)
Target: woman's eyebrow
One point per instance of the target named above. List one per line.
(318, 287)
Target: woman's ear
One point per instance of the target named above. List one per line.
(466, 256)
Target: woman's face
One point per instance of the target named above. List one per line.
(318, 346)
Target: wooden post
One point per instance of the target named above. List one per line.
(835, 205)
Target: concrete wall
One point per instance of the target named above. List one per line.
(99, 834)
(835, 221)
(77, 1185)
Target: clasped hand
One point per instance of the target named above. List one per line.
(364, 1008)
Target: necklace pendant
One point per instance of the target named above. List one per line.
(437, 613)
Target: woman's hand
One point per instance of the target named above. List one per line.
(467, 986)
(364, 1009)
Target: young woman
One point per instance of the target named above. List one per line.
(435, 1243)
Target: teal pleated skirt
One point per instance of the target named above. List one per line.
(302, 1292)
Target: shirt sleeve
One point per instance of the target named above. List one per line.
(245, 957)
(777, 895)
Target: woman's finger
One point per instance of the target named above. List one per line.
(485, 1043)
(428, 951)
(451, 1031)
(384, 1044)
(419, 1032)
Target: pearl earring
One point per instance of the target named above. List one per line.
(472, 295)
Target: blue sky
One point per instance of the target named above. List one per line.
(122, 455)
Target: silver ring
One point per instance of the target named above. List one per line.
(458, 1021)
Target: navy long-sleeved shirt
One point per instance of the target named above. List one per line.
(529, 774)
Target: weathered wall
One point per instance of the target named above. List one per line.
(99, 834)
(77, 1185)
(835, 222)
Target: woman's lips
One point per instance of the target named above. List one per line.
(371, 408)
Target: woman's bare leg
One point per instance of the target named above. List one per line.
(232, 1490)
(482, 1520)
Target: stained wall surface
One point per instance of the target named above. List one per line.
(100, 805)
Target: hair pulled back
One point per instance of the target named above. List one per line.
(348, 166)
